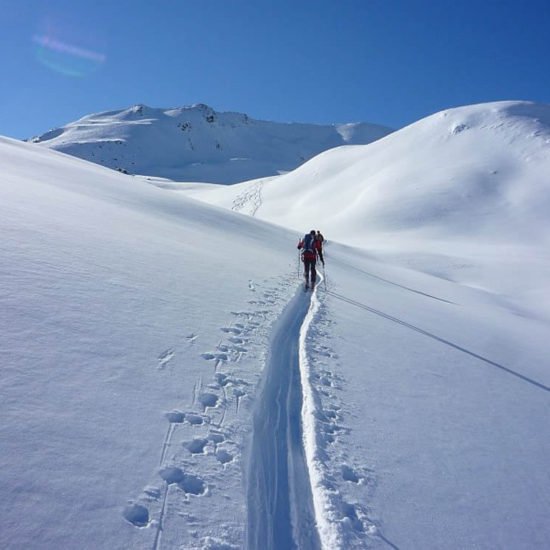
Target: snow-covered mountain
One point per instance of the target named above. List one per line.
(460, 184)
(167, 383)
(199, 144)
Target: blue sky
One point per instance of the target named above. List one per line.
(324, 61)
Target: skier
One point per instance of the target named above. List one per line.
(319, 237)
(310, 247)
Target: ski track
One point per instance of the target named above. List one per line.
(209, 438)
(250, 200)
(324, 511)
(289, 500)
(288, 507)
(486, 360)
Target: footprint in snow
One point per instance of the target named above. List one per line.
(171, 474)
(223, 456)
(238, 393)
(165, 357)
(239, 349)
(348, 474)
(175, 417)
(196, 419)
(327, 353)
(189, 483)
(232, 330)
(215, 356)
(216, 437)
(246, 314)
(197, 446)
(136, 514)
(192, 484)
(222, 379)
(208, 400)
(211, 543)
(351, 518)
(152, 492)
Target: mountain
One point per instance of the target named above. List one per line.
(167, 383)
(459, 184)
(199, 144)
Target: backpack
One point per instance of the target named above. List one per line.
(309, 243)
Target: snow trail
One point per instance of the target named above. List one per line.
(327, 526)
(280, 505)
(439, 339)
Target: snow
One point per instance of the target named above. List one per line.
(120, 305)
(280, 508)
(446, 436)
(167, 383)
(197, 143)
(469, 206)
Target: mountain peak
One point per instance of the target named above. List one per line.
(197, 143)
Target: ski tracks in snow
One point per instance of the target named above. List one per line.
(340, 488)
(200, 459)
(296, 457)
(249, 200)
(280, 508)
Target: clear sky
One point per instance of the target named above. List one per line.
(324, 61)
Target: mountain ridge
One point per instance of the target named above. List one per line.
(428, 176)
(462, 185)
(197, 143)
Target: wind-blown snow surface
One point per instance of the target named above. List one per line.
(147, 344)
(199, 144)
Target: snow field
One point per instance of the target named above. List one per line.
(132, 341)
(438, 437)
(133, 350)
(150, 347)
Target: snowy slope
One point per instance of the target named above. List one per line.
(463, 192)
(199, 144)
(133, 331)
(166, 383)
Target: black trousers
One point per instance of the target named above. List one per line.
(310, 272)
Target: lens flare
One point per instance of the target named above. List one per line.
(57, 51)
